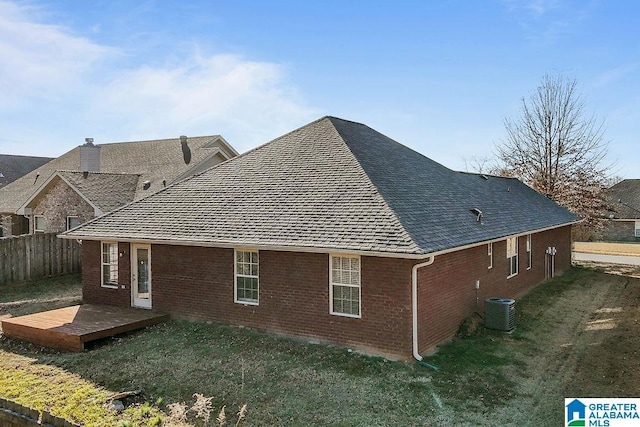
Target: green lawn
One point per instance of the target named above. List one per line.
(282, 381)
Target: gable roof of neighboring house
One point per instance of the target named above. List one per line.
(624, 198)
(13, 167)
(332, 185)
(155, 161)
(103, 191)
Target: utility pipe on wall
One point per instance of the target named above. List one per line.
(414, 303)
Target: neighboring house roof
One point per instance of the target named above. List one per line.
(332, 185)
(13, 167)
(155, 161)
(103, 191)
(624, 199)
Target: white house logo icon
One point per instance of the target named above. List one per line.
(576, 415)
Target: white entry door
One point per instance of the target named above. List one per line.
(141, 275)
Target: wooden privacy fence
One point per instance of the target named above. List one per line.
(32, 256)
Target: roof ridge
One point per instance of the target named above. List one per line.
(96, 172)
(154, 140)
(487, 175)
(394, 215)
(254, 149)
(346, 120)
(26, 156)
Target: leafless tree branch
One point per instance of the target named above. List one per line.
(557, 149)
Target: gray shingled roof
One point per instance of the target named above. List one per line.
(155, 161)
(624, 198)
(13, 167)
(107, 191)
(333, 185)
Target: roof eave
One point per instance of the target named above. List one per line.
(280, 248)
(307, 249)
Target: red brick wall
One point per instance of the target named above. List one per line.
(197, 283)
(92, 291)
(446, 289)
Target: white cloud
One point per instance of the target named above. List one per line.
(536, 7)
(548, 21)
(203, 95)
(40, 60)
(617, 74)
(64, 87)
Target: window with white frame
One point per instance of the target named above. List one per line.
(344, 288)
(109, 265)
(528, 251)
(246, 272)
(38, 224)
(512, 256)
(490, 254)
(72, 222)
(637, 232)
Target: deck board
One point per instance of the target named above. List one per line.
(70, 328)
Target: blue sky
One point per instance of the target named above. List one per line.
(437, 76)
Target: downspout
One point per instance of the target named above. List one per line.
(414, 303)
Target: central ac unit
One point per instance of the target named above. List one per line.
(500, 314)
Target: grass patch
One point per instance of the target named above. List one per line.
(478, 370)
(48, 388)
(18, 299)
(530, 308)
(282, 381)
(471, 369)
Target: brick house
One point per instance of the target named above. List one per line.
(13, 167)
(624, 212)
(91, 180)
(332, 232)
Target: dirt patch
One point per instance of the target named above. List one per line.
(609, 366)
(632, 271)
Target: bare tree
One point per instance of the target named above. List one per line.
(479, 164)
(557, 149)
(613, 180)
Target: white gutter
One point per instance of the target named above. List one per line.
(273, 247)
(414, 303)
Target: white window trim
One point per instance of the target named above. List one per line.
(637, 229)
(236, 275)
(490, 254)
(35, 224)
(331, 285)
(69, 218)
(529, 251)
(514, 255)
(103, 264)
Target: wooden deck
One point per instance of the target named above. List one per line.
(70, 327)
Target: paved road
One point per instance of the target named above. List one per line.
(611, 259)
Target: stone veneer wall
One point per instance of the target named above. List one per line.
(59, 202)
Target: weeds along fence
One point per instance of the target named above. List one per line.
(32, 256)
